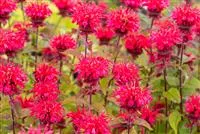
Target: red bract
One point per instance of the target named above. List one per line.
(11, 42)
(104, 34)
(123, 21)
(62, 43)
(6, 7)
(65, 6)
(149, 115)
(50, 54)
(38, 130)
(87, 123)
(37, 13)
(46, 73)
(192, 107)
(47, 112)
(46, 91)
(126, 73)
(12, 79)
(185, 16)
(133, 3)
(135, 43)
(132, 98)
(91, 69)
(88, 16)
(24, 101)
(155, 7)
(22, 28)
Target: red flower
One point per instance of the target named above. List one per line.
(22, 28)
(46, 91)
(88, 16)
(47, 112)
(133, 3)
(165, 36)
(132, 98)
(11, 42)
(62, 43)
(6, 7)
(149, 115)
(186, 16)
(155, 7)
(38, 13)
(126, 74)
(65, 6)
(135, 43)
(46, 73)
(123, 21)
(87, 123)
(12, 79)
(104, 34)
(192, 107)
(38, 130)
(91, 69)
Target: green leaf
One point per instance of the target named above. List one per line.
(143, 123)
(193, 83)
(174, 119)
(173, 81)
(173, 95)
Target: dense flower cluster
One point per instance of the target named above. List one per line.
(65, 6)
(37, 13)
(6, 7)
(155, 7)
(62, 43)
(104, 34)
(123, 21)
(133, 3)
(47, 111)
(186, 16)
(91, 69)
(46, 73)
(88, 16)
(126, 73)
(132, 97)
(11, 42)
(12, 79)
(87, 123)
(135, 43)
(192, 107)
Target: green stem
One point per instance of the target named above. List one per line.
(166, 103)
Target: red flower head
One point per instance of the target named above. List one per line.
(135, 43)
(46, 73)
(132, 98)
(126, 74)
(39, 130)
(11, 42)
(50, 54)
(197, 29)
(124, 21)
(186, 16)
(37, 13)
(91, 69)
(192, 107)
(12, 79)
(22, 28)
(165, 37)
(6, 7)
(62, 43)
(133, 3)
(104, 34)
(65, 6)
(149, 115)
(155, 7)
(47, 112)
(88, 16)
(46, 91)
(24, 101)
(87, 123)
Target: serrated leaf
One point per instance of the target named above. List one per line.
(174, 119)
(173, 95)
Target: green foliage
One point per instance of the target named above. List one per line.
(174, 120)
